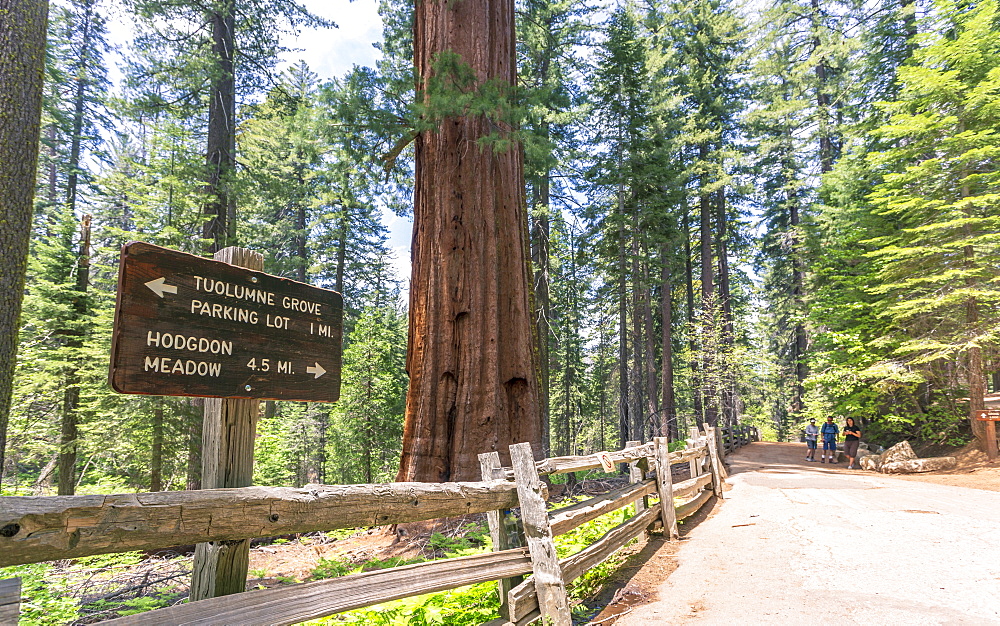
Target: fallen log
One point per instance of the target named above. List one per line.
(913, 466)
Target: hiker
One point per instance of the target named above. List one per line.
(852, 439)
(829, 432)
(812, 433)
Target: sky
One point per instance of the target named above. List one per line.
(333, 52)
(329, 53)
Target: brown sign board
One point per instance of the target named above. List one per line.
(191, 326)
(989, 415)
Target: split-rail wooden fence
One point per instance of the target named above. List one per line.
(36, 529)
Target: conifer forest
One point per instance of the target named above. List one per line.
(725, 212)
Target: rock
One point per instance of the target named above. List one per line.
(913, 466)
(863, 452)
(902, 451)
(871, 462)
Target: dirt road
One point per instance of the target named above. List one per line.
(803, 543)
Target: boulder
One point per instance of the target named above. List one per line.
(871, 462)
(913, 466)
(902, 451)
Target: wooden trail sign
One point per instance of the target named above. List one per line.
(190, 326)
(988, 415)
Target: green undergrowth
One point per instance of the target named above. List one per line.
(478, 603)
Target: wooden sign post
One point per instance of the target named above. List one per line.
(224, 330)
(990, 416)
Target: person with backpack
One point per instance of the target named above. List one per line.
(829, 432)
(812, 433)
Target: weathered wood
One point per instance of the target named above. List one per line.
(489, 465)
(523, 598)
(690, 455)
(692, 441)
(190, 326)
(636, 474)
(690, 507)
(297, 603)
(565, 464)
(665, 487)
(691, 486)
(715, 460)
(547, 576)
(10, 600)
(228, 433)
(568, 518)
(61, 527)
(720, 444)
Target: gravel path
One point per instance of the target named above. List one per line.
(803, 543)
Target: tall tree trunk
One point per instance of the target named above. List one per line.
(22, 67)
(221, 149)
(974, 353)
(728, 391)
(637, 380)
(649, 351)
(471, 359)
(798, 290)
(692, 321)
(708, 302)
(669, 425)
(826, 144)
(156, 456)
(195, 420)
(624, 414)
(68, 436)
(540, 262)
(79, 104)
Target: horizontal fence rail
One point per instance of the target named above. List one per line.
(60, 527)
(35, 529)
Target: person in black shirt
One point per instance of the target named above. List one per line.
(852, 437)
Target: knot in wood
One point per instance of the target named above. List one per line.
(10, 530)
(273, 517)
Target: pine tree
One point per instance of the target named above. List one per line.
(937, 271)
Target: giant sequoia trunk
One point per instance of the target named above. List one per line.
(22, 64)
(471, 359)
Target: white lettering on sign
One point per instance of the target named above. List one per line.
(323, 330)
(276, 321)
(300, 305)
(219, 288)
(163, 365)
(182, 342)
(224, 312)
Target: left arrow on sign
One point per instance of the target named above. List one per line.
(318, 370)
(159, 287)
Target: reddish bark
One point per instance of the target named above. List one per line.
(471, 360)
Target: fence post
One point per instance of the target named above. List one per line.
(230, 425)
(489, 464)
(713, 453)
(547, 574)
(636, 474)
(692, 440)
(665, 487)
(10, 600)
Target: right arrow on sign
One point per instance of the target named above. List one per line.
(159, 286)
(318, 370)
